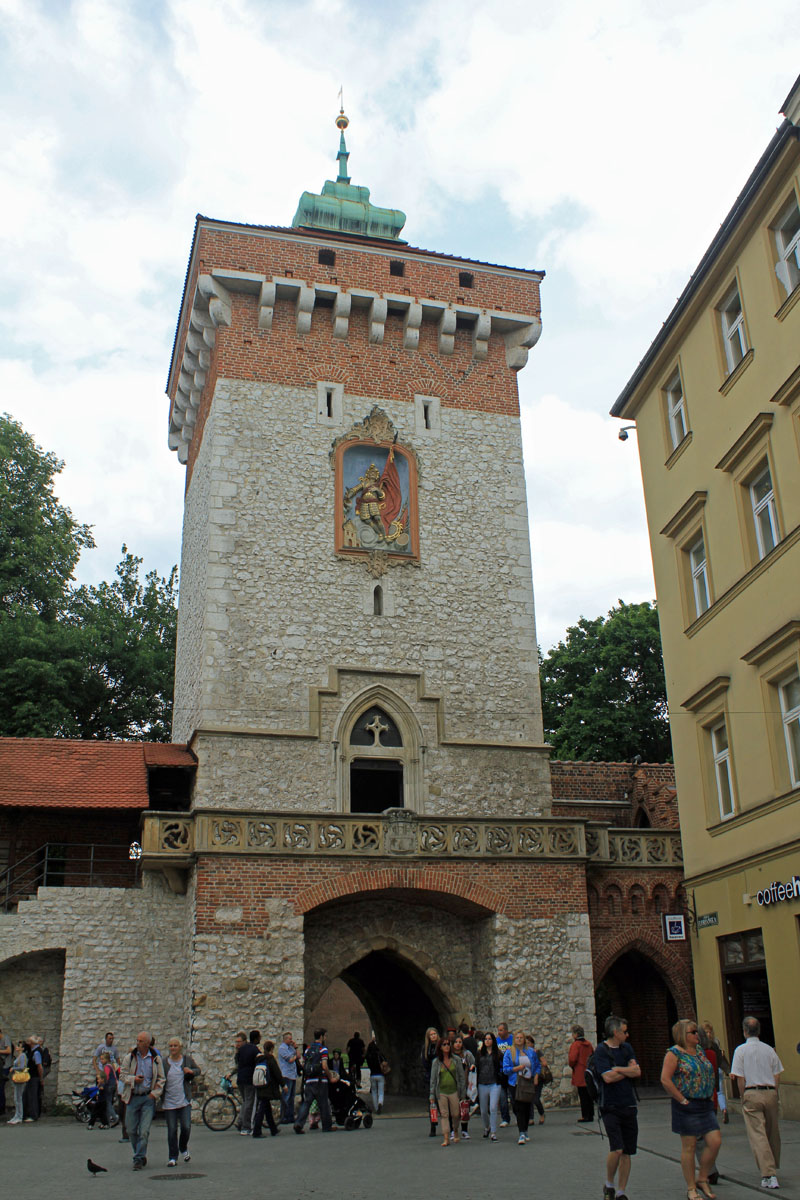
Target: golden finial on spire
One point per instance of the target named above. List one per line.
(341, 121)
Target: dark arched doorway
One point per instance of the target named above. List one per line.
(634, 988)
(398, 1000)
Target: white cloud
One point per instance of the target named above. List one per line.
(620, 134)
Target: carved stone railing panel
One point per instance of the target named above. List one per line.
(169, 837)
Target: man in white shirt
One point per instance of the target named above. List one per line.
(756, 1072)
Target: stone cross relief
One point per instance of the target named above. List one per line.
(376, 727)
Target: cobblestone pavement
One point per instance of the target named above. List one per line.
(395, 1158)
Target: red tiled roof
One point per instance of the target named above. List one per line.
(58, 773)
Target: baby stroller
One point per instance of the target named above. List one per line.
(347, 1107)
(85, 1103)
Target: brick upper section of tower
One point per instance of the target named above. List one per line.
(385, 320)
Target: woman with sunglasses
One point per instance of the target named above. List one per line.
(448, 1088)
(688, 1079)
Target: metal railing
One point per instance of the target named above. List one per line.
(67, 864)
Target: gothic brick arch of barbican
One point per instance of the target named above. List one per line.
(358, 788)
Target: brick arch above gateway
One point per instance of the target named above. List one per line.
(667, 961)
(475, 899)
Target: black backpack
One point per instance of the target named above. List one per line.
(313, 1062)
(594, 1079)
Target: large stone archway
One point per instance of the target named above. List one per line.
(32, 988)
(425, 962)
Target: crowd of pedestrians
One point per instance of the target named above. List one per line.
(25, 1063)
(489, 1075)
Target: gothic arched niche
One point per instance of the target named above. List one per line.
(379, 757)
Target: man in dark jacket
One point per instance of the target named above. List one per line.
(247, 1051)
(355, 1055)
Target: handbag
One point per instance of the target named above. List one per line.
(464, 1111)
(545, 1075)
(385, 1067)
(524, 1090)
(22, 1076)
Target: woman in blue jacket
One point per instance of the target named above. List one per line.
(520, 1062)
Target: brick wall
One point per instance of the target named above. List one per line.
(597, 791)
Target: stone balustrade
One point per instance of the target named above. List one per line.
(175, 839)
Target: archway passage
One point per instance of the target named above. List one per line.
(400, 1007)
(634, 988)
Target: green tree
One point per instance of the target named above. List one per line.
(88, 662)
(128, 630)
(40, 540)
(603, 690)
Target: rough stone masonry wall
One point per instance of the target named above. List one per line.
(126, 966)
(281, 607)
(543, 984)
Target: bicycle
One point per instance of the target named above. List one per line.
(221, 1110)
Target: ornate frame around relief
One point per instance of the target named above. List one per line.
(376, 496)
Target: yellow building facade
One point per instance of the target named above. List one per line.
(716, 402)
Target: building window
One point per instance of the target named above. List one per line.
(699, 572)
(787, 244)
(789, 693)
(722, 767)
(676, 412)
(734, 336)
(765, 516)
(396, 267)
(465, 279)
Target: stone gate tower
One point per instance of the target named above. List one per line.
(357, 661)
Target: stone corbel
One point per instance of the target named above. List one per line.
(341, 315)
(411, 326)
(519, 341)
(218, 299)
(480, 337)
(447, 331)
(305, 308)
(204, 326)
(377, 320)
(266, 304)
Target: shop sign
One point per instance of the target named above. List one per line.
(674, 927)
(707, 919)
(775, 892)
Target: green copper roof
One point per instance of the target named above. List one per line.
(345, 207)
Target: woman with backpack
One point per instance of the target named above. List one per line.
(179, 1071)
(269, 1085)
(579, 1054)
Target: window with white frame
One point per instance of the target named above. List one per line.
(734, 336)
(722, 768)
(765, 515)
(789, 693)
(676, 411)
(787, 244)
(699, 571)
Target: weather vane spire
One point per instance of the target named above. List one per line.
(341, 124)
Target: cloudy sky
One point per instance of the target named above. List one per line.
(601, 143)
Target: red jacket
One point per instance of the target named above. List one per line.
(579, 1054)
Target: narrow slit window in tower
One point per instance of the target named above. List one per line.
(377, 601)
(426, 412)
(329, 402)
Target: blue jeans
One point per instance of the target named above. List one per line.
(315, 1089)
(175, 1117)
(287, 1100)
(489, 1100)
(138, 1119)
